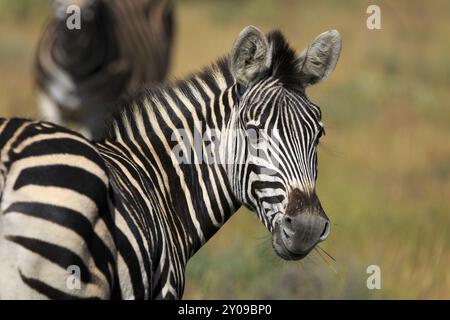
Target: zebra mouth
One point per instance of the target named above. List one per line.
(278, 242)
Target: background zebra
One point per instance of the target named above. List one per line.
(129, 213)
(80, 74)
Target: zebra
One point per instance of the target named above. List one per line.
(129, 213)
(80, 73)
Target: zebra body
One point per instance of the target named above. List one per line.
(80, 74)
(139, 213)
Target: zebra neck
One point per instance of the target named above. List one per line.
(169, 132)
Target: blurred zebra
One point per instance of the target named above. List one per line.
(81, 73)
(131, 210)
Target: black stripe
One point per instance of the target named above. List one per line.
(63, 176)
(63, 146)
(56, 254)
(9, 130)
(49, 291)
(131, 260)
(74, 221)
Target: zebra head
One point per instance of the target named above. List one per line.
(80, 33)
(278, 129)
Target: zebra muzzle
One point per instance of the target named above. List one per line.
(301, 228)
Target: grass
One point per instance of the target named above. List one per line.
(384, 172)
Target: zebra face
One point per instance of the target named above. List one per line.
(276, 172)
(79, 33)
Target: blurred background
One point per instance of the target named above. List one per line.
(384, 171)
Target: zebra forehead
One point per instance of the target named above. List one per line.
(303, 104)
(284, 101)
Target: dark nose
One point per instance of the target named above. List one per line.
(304, 223)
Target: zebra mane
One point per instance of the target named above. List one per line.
(139, 100)
(285, 63)
(284, 68)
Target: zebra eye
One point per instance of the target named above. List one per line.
(320, 134)
(240, 89)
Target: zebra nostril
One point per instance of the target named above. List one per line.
(325, 231)
(288, 220)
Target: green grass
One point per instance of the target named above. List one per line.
(384, 172)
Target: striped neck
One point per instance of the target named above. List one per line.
(172, 129)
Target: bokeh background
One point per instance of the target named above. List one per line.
(384, 164)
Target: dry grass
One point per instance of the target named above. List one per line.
(384, 164)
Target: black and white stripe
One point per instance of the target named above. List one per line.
(129, 212)
(80, 74)
(55, 213)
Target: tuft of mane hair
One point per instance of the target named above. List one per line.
(285, 63)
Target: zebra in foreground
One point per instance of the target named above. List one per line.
(129, 214)
(81, 73)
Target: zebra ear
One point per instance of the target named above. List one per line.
(320, 58)
(250, 55)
